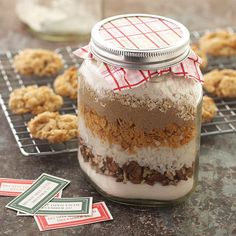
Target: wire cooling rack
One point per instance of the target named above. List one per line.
(224, 122)
(10, 80)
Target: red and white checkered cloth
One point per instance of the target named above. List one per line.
(139, 32)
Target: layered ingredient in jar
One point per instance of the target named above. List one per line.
(140, 143)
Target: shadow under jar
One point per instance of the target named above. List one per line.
(140, 111)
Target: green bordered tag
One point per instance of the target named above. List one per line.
(81, 206)
(40, 193)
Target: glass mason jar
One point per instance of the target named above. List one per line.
(60, 20)
(139, 145)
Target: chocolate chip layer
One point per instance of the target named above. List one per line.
(132, 171)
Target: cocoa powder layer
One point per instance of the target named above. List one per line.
(140, 116)
(132, 171)
(129, 136)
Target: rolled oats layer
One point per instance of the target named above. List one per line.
(128, 136)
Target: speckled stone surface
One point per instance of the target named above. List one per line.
(211, 210)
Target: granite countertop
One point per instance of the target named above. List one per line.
(209, 211)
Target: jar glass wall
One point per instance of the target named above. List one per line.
(139, 146)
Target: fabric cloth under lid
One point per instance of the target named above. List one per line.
(140, 33)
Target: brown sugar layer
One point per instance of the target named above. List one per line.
(161, 92)
(129, 136)
(132, 171)
(140, 116)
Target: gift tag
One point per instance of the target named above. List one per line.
(38, 194)
(66, 206)
(100, 213)
(14, 187)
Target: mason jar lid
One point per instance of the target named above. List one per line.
(140, 41)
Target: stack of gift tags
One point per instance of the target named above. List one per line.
(42, 199)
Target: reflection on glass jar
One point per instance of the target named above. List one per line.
(60, 19)
(139, 145)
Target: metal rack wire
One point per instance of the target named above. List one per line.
(224, 122)
(9, 80)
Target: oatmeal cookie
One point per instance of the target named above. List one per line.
(53, 127)
(219, 43)
(66, 84)
(38, 62)
(221, 83)
(34, 99)
(200, 53)
(209, 109)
